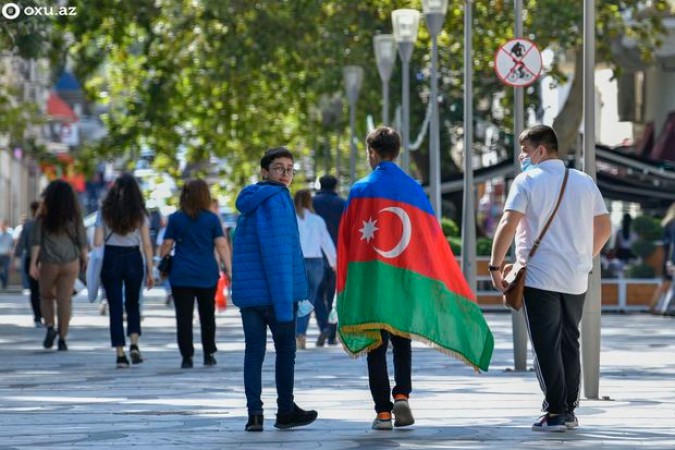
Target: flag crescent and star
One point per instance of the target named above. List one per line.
(370, 227)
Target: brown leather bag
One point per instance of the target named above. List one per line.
(514, 274)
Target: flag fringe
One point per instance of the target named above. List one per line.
(372, 331)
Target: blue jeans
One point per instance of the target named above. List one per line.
(314, 267)
(4, 270)
(255, 320)
(121, 277)
(324, 302)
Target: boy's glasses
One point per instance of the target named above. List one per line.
(280, 170)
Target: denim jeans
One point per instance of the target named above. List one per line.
(255, 320)
(121, 277)
(4, 270)
(314, 267)
(184, 302)
(324, 301)
(378, 375)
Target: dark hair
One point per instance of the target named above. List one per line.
(59, 207)
(540, 135)
(328, 182)
(302, 201)
(195, 197)
(272, 154)
(123, 209)
(385, 142)
(625, 226)
(34, 206)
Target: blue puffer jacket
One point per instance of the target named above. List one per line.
(267, 263)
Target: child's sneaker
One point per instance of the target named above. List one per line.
(402, 413)
(571, 421)
(548, 422)
(382, 421)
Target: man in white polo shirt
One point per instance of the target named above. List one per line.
(557, 275)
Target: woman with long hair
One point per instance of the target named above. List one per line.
(315, 242)
(194, 274)
(123, 226)
(59, 252)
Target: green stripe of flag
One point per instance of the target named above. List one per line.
(412, 305)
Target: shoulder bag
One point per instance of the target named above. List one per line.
(514, 274)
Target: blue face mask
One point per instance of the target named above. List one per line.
(526, 164)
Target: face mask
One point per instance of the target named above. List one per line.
(304, 308)
(527, 164)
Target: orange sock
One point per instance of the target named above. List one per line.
(384, 416)
(400, 397)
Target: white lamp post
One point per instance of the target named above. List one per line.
(434, 13)
(405, 23)
(353, 78)
(385, 56)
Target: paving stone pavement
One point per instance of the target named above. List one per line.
(77, 399)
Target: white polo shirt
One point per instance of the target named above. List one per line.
(565, 256)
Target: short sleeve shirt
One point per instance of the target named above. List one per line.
(565, 255)
(131, 239)
(194, 263)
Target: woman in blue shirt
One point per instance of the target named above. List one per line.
(196, 232)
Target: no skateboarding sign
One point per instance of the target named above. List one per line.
(518, 62)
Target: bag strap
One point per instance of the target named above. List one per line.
(550, 219)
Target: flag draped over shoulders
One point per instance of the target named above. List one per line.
(397, 272)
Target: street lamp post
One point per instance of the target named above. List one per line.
(405, 23)
(434, 13)
(469, 222)
(385, 56)
(353, 77)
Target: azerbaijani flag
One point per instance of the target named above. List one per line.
(397, 272)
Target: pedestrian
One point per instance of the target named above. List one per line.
(557, 275)
(315, 243)
(197, 235)
(22, 250)
(269, 280)
(398, 280)
(329, 205)
(123, 227)
(59, 253)
(6, 245)
(663, 298)
(625, 237)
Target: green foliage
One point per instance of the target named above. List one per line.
(450, 227)
(647, 228)
(643, 248)
(641, 271)
(483, 246)
(455, 245)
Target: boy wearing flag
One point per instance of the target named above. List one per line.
(398, 280)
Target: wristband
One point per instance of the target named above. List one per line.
(492, 268)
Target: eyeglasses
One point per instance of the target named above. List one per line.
(280, 170)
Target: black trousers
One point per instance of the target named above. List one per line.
(184, 302)
(34, 292)
(553, 324)
(378, 375)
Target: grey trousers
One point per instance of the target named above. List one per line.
(553, 324)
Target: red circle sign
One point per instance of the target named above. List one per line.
(518, 62)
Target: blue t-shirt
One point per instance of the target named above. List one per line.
(194, 263)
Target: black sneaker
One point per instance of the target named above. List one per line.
(186, 364)
(62, 345)
(296, 418)
(122, 362)
(209, 360)
(49, 338)
(321, 340)
(255, 422)
(548, 422)
(571, 421)
(135, 353)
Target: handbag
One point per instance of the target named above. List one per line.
(93, 273)
(164, 266)
(514, 274)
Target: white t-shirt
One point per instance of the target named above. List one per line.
(314, 237)
(565, 255)
(131, 239)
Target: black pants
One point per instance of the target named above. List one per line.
(553, 323)
(378, 375)
(324, 301)
(34, 292)
(184, 301)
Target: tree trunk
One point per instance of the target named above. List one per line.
(568, 121)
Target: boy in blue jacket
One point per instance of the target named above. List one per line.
(268, 280)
